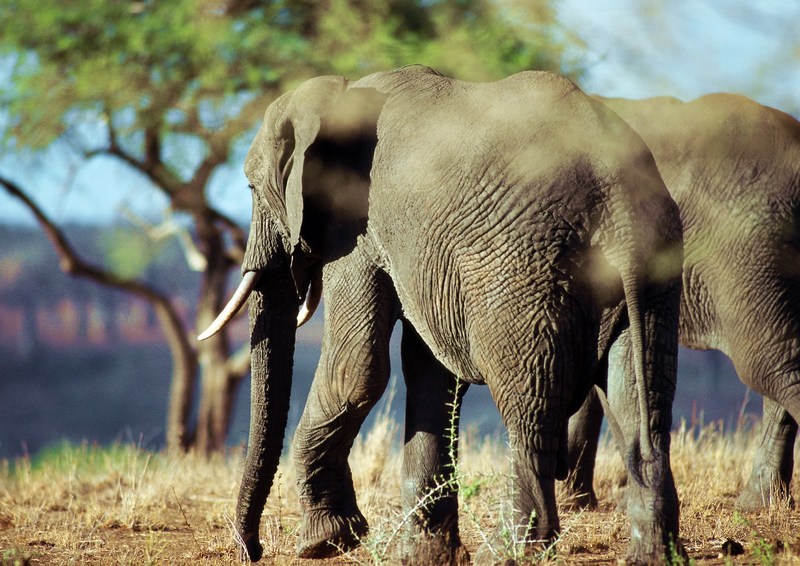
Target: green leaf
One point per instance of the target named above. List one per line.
(128, 253)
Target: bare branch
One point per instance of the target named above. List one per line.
(152, 148)
(239, 363)
(72, 264)
(151, 167)
(238, 236)
(157, 174)
(167, 229)
(203, 173)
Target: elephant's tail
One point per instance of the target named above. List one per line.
(632, 287)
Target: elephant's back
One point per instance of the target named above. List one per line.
(530, 158)
(438, 135)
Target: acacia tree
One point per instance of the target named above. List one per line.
(132, 80)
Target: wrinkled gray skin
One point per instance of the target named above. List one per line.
(733, 167)
(515, 228)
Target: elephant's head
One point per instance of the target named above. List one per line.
(308, 169)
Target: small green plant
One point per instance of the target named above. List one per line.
(154, 548)
(471, 487)
(763, 551)
(13, 557)
(675, 557)
(739, 520)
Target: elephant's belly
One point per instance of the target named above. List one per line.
(699, 327)
(508, 322)
(443, 330)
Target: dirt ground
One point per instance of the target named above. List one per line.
(123, 505)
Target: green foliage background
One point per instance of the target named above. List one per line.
(187, 66)
(174, 89)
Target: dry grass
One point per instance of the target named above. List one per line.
(122, 505)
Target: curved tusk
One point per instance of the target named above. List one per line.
(239, 297)
(310, 304)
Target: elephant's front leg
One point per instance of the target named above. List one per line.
(772, 468)
(430, 489)
(360, 311)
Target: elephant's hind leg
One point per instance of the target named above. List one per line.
(584, 432)
(430, 492)
(535, 414)
(772, 467)
(360, 311)
(531, 524)
(652, 500)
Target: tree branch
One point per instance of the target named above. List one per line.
(239, 363)
(151, 166)
(238, 236)
(152, 148)
(71, 263)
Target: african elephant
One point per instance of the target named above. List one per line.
(520, 231)
(733, 167)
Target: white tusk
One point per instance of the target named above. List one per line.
(239, 297)
(311, 302)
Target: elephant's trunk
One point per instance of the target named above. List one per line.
(273, 316)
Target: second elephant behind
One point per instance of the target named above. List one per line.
(733, 167)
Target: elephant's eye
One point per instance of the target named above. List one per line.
(250, 186)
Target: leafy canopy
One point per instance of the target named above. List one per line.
(144, 71)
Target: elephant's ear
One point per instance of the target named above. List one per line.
(309, 103)
(276, 157)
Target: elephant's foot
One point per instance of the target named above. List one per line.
(435, 549)
(643, 551)
(654, 539)
(580, 498)
(758, 495)
(653, 512)
(325, 533)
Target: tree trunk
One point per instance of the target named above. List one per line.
(216, 378)
(184, 373)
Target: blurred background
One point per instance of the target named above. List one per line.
(124, 209)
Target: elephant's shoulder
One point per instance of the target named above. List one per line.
(412, 77)
(543, 80)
